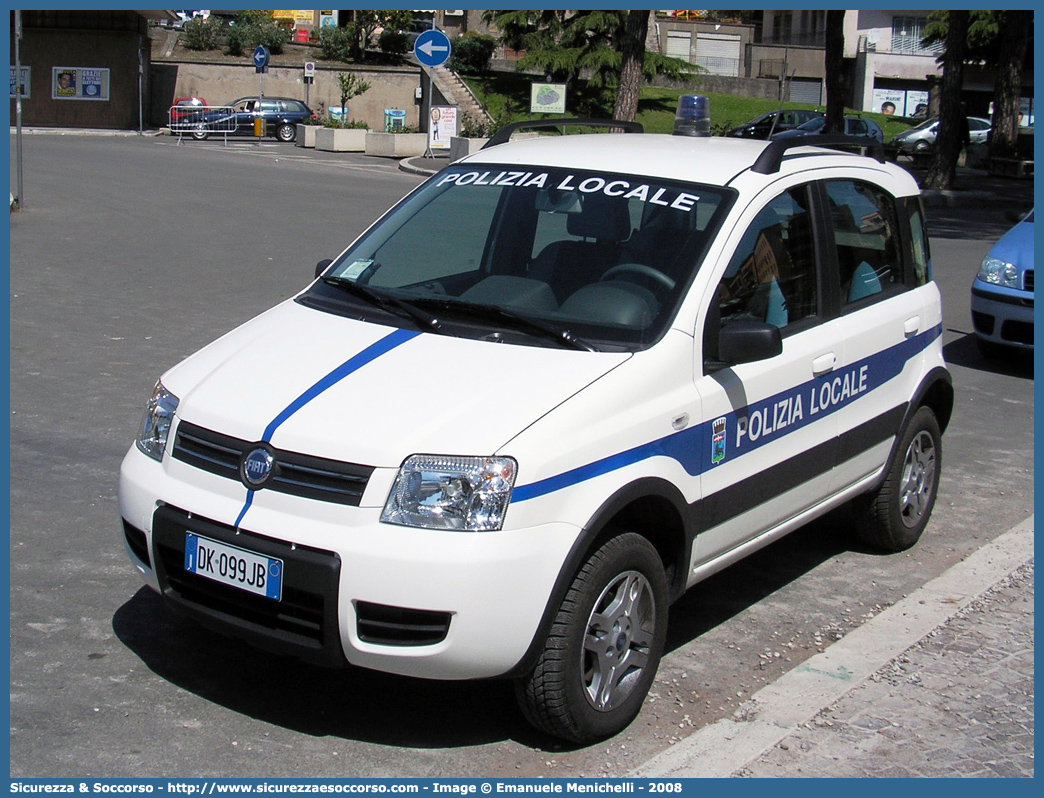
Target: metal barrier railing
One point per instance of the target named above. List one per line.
(201, 121)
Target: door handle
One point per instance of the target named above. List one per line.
(912, 326)
(823, 364)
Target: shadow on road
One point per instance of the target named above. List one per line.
(373, 707)
(964, 351)
(352, 703)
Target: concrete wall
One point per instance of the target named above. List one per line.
(219, 84)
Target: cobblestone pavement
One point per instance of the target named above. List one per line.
(958, 703)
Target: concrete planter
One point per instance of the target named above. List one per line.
(306, 135)
(336, 139)
(396, 145)
(459, 147)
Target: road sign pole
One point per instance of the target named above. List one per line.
(431, 49)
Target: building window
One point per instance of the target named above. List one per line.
(907, 33)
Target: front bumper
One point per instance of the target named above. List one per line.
(415, 602)
(1002, 317)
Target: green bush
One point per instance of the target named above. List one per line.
(475, 128)
(336, 43)
(393, 42)
(202, 34)
(472, 52)
(252, 28)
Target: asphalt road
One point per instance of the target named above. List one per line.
(132, 254)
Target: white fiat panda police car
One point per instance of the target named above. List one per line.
(555, 386)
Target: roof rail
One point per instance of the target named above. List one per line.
(771, 157)
(504, 134)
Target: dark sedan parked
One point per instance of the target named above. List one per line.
(280, 115)
(854, 126)
(766, 125)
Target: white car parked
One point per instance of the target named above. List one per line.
(561, 382)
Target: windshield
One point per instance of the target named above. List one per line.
(597, 258)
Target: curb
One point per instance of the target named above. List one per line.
(415, 165)
(779, 709)
(935, 198)
(62, 131)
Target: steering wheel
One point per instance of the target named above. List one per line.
(641, 269)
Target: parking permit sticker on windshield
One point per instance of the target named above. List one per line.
(357, 268)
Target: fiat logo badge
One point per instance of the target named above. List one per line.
(256, 467)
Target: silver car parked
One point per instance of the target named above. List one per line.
(920, 140)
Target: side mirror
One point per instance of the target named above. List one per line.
(320, 267)
(745, 341)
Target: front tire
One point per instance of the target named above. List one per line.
(894, 516)
(286, 133)
(605, 645)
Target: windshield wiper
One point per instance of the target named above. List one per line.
(542, 329)
(385, 302)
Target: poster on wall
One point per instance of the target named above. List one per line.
(890, 102)
(79, 83)
(900, 102)
(443, 126)
(20, 84)
(917, 103)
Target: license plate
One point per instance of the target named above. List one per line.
(229, 565)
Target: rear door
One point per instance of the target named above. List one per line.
(882, 319)
(769, 454)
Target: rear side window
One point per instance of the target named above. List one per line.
(866, 236)
(772, 275)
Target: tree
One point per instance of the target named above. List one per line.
(350, 86)
(366, 22)
(567, 44)
(633, 58)
(835, 81)
(953, 125)
(1016, 30)
(1001, 40)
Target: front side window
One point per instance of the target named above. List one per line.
(599, 256)
(772, 274)
(866, 237)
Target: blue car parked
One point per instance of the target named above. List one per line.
(1002, 292)
(280, 115)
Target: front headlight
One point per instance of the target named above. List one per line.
(468, 494)
(155, 426)
(999, 272)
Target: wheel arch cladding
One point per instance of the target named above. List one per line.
(651, 507)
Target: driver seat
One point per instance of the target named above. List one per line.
(601, 226)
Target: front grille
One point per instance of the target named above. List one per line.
(1027, 280)
(303, 622)
(398, 626)
(297, 474)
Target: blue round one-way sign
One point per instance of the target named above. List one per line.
(432, 48)
(260, 56)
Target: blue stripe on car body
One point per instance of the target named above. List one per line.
(689, 448)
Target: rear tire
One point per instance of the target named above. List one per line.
(894, 516)
(286, 133)
(199, 133)
(601, 655)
